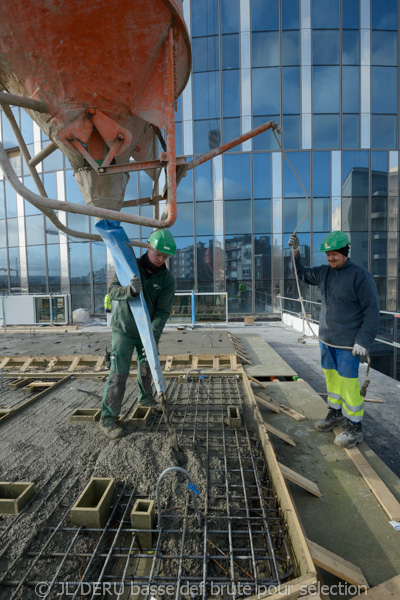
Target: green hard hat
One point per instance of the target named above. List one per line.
(163, 241)
(334, 241)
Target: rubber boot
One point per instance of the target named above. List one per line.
(351, 435)
(333, 418)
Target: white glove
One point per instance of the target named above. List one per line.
(357, 349)
(136, 285)
(294, 241)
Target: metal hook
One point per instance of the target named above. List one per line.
(88, 337)
(201, 377)
(191, 486)
(209, 337)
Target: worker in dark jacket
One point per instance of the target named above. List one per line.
(349, 317)
(158, 287)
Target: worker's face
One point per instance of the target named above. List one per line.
(155, 257)
(335, 259)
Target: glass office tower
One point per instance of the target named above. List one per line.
(327, 70)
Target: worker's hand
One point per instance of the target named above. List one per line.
(294, 241)
(136, 285)
(359, 350)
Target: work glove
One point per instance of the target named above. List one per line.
(357, 349)
(136, 285)
(294, 241)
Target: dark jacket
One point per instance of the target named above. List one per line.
(350, 305)
(159, 291)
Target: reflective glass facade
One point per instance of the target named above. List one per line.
(327, 70)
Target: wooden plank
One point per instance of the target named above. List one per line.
(74, 363)
(388, 590)
(216, 363)
(268, 403)
(233, 362)
(5, 361)
(337, 565)
(290, 412)
(382, 493)
(300, 480)
(280, 434)
(168, 363)
(243, 358)
(52, 363)
(254, 380)
(14, 385)
(195, 362)
(100, 364)
(27, 364)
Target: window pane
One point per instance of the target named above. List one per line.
(237, 216)
(231, 93)
(265, 140)
(294, 210)
(11, 200)
(205, 52)
(3, 271)
(207, 135)
(321, 214)
(184, 192)
(178, 139)
(326, 86)
(325, 14)
(79, 265)
(384, 48)
(384, 131)
(230, 52)
(182, 264)
(262, 176)
(262, 216)
(350, 89)
(384, 14)
(3, 239)
(36, 269)
(265, 49)
(29, 208)
(26, 127)
(384, 90)
(350, 14)
(205, 264)
(15, 273)
(290, 14)
(355, 173)
(9, 140)
(51, 232)
(351, 48)
(131, 190)
(290, 48)
(325, 47)
(264, 15)
(230, 16)
(54, 162)
(12, 229)
(326, 131)
(184, 223)
(204, 218)
(231, 131)
(379, 191)
(301, 164)
(204, 17)
(78, 222)
(34, 230)
(202, 182)
(351, 131)
(2, 207)
(354, 213)
(206, 95)
(266, 91)
(262, 261)
(291, 90)
(238, 260)
(99, 276)
(237, 177)
(321, 173)
(73, 193)
(291, 132)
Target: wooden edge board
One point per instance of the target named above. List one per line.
(337, 565)
(388, 590)
(303, 563)
(267, 403)
(290, 412)
(300, 480)
(290, 590)
(381, 492)
(280, 434)
(254, 380)
(377, 400)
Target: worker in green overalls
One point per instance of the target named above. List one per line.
(158, 286)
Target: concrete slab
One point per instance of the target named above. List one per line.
(196, 342)
(348, 519)
(266, 362)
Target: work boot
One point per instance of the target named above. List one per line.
(333, 418)
(154, 405)
(112, 431)
(351, 435)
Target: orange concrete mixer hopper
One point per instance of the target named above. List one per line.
(101, 80)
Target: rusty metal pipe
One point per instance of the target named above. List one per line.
(170, 128)
(92, 211)
(44, 153)
(14, 100)
(239, 140)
